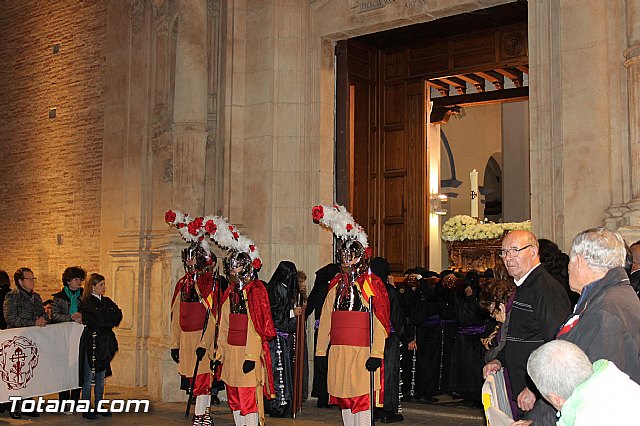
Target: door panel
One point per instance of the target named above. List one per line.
(388, 136)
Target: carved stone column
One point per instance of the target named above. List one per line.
(190, 107)
(631, 215)
(632, 63)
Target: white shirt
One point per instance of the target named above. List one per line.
(521, 280)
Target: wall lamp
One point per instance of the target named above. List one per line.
(436, 201)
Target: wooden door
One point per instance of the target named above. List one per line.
(403, 165)
(381, 163)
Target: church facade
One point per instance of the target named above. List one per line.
(228, 107)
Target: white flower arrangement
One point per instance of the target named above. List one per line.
(463, 227)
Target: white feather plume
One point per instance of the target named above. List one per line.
(340, 221)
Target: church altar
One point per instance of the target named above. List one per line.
(473, 244)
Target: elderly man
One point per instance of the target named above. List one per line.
(584, 394)
(606, 321)
(539, 307)
(22, 306)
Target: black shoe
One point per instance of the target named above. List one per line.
(105, 413)
(427, 400)
(322, 404)
(215, 400)
(30, 413)
(89, 416)
(15, 415)
(377, 414)
(394, 418)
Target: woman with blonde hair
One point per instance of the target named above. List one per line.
(98, 344)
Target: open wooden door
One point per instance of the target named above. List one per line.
(381, 168)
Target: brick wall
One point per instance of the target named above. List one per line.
(50, 168)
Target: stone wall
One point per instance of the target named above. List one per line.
(51, 168)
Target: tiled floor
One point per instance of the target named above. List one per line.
(173, 413)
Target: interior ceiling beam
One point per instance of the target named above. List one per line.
(493, 97)
(523, 68)
(512, 74)
(442, 87)
(459, 84)
(495, 78)
(478, 82)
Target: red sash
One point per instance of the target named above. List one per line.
(350, 328)
(238, 324)
(192, 316)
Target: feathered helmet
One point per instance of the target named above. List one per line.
(201, 230)
(199, 254)
(242, 250)
(353, 240)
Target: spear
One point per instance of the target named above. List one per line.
(298, 372)
(371, 373)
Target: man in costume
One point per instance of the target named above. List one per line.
(315, 301)
(245, 329)
(345, 321)
(194, 311)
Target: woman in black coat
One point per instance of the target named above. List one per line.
(98, 343)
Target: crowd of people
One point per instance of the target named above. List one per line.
(22, 306)
(378, 341)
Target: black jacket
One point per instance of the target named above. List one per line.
(397, 316)
(320, 289)
(281, 308)
(61, 305)
(99, 316)
(539, 308)
(608, 324)
(3, 292)
(634, 279)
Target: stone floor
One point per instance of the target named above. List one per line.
(162, 413)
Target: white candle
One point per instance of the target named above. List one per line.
(475, 197)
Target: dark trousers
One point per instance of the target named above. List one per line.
(73, 394)
(320, 369)
(428, 340)
(391, 375)
(449, 332)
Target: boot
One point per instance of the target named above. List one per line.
(198, 420)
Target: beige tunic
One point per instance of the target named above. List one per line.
(232, 357)
(187, 342)
(347, 376)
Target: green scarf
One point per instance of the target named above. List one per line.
(73, 296)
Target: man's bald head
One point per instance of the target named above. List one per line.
(520, 253)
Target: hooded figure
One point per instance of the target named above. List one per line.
(283, 289)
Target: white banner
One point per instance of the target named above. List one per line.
(38, 361)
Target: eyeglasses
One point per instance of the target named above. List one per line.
(29, 279)
(512, 252)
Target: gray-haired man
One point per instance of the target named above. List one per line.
(605, 323)
(584, 394)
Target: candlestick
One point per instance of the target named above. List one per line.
(475, 200)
